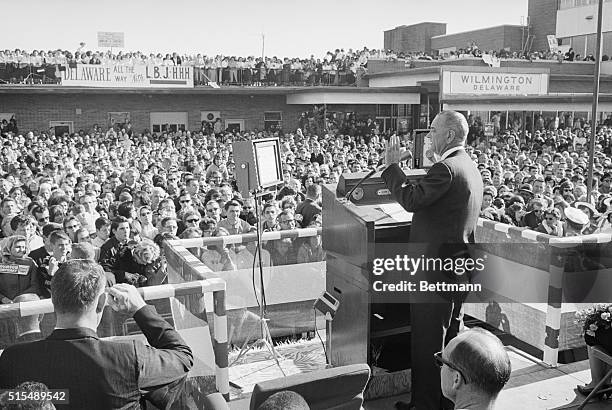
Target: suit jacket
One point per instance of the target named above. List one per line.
(103, 374)
(446, 202)
(29, 337)
(308, 209)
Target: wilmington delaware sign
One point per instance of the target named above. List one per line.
(494, 83)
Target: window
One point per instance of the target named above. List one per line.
(61, 127)
(168, 121)
(273, 120)
(118, 119)
(396, 117)
(234, 125)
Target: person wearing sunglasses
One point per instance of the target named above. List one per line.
(474, 368)
(190, 219)
(551, 224)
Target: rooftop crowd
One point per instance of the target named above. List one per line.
(338, 67)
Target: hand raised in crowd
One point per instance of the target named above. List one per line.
(53, 265)
(125, 298)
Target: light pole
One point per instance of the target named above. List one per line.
(595, 100)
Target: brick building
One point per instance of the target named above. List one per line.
(75, 108)
(573, 22)
(491, 38)
(413, 38)
(542, 22)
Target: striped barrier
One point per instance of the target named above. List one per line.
(215, 286)
(557, 249)
(522, 233)
(245, 238)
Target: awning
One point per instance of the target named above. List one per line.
(527, 106)
(327, 97)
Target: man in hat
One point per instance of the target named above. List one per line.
(575, 221)
(591, 213)
(526, 191)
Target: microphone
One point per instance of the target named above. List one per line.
(361, 181)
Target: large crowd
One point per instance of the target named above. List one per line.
(115, 195)
(96, 185)
(337, 67)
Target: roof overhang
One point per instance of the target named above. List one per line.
(405, 95)
(558, 102)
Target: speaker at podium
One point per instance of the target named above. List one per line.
(355, 232)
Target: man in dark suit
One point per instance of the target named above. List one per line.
(310, 208)
(446, 204)
(100, 374)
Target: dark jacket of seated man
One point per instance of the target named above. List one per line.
(100, 374)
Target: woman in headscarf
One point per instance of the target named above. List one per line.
(18, 273)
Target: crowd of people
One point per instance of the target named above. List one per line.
(114, 196)
(116, 205)
(339, 67)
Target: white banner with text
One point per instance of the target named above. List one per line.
(122, 76)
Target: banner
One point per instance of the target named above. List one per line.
(110, 39)
(139, 76)
(553, 44)
(14, 268)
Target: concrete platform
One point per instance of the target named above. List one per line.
(531, 387)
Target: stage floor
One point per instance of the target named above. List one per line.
(532, 384)
(303, 356)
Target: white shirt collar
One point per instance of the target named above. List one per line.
(450, 151)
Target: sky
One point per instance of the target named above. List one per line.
(289, 28)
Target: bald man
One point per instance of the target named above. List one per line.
(446, 204)
(474, 368)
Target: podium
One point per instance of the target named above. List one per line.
(363, 331)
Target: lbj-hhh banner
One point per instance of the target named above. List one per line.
(116, 76)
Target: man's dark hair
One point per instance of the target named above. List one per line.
(21, 219)
(101, 222)
(125, 209)
(284, 400)
(232, 203)
(488, 372)
(38, 209)
(49, 228)
(57, 235)
(117, 221)
(166, 219)
(76, 285)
